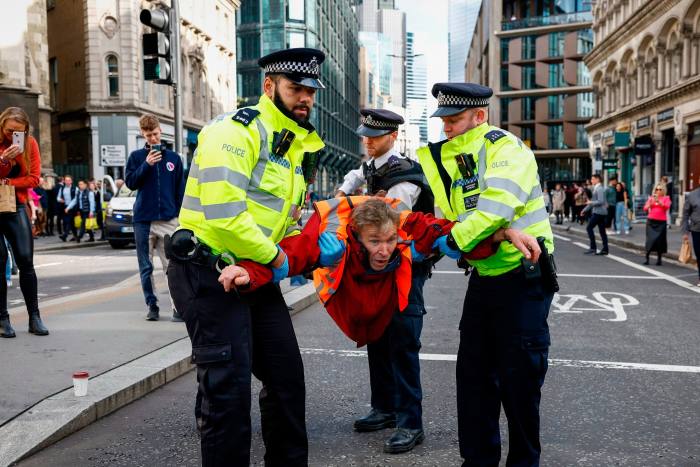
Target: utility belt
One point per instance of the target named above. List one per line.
(183, 245)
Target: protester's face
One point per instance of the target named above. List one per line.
(151, 136)
(380, 243)
(379, 145)
(455, 125)
(295, 98)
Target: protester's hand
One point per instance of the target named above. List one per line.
(153, 157)
(232, 276)
(445, 249)
(332, 249)
(280, 266)
(525, 243)
(416, 255)
(10, 153)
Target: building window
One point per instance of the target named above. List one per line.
(583, 76)
(528, 108)
(295, 39)
(556, 75)
(529, 47)
(528, 77)
(249, 12)
(113, 75)
(527, 134)
(555, 105)
(504, 50)
(53, 77)
(248, 47)
(585, 105)
(504, 79)
(581, 136)
(273, 11)
(556, 44)
(584, 41)
(295, 10)
(556, 137)
(504, 109)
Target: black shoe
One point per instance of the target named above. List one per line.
(590, 251)
(36, 326)
(91, 239)
(153, 313)
(602, 253)
(62, 237)
(375, 420)
(658, 263)
(177, 317)
(646, 262)
(75, 239)
(403, 440)
(6, 329)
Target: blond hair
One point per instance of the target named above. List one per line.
(661, 186)
(373, 212)
(19, 115)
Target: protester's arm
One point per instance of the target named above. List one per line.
(352, 181)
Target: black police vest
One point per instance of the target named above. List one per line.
(398, 170)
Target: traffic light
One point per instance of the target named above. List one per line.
(157, 46)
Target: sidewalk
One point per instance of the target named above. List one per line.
(54, 243)
(103, 332)
(635, 239)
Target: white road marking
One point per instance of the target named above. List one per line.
(653, 272)
(602, 301)
(65, 287)
(561, 237)
(448, 272)
(552, 361)
(45, 265)
(608, 276)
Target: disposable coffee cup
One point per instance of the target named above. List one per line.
(80, 383)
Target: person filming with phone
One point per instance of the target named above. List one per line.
(158, 175)
(20, 167)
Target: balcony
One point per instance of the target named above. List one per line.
(538, 21)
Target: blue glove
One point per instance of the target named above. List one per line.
(416, 255)
(281, 272)
(441, 243)
(332, 249)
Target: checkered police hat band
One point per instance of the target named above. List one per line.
(450, 100)
(310, 69)
(370, 122)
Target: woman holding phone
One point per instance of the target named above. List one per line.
(20, 166)
(657, 206)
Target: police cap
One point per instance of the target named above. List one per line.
(378, 122)
(454, 98)
(300, 65)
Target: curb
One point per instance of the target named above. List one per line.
(69, 246)
(62, 414)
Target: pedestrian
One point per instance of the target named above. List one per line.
(243, 195)
(598, 208)
(20, 166)
(558, 203)
(580, 201)
(394, 370)
(84, 204)
(610, 199)
(547, 196)
(569, 202)
(53, 218)
(157, 173)
(690, 223)
(657, 207)
(99, 216)
(669, 192)
(66, 194)
(485, 178)
(621, 217)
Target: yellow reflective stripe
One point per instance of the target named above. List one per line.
(510, 186)
(214, 211)
(223, 174)
(496, 208)
(530, 219)
(266, 199)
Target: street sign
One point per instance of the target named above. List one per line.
(609, 163)
(112, 155)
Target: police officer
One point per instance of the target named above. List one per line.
(243, 195)
(394, 368)
(485, 178)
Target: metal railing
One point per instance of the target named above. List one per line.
(537, 21)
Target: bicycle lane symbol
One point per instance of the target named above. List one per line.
(613, 302)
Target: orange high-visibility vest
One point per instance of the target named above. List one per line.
(335, 215)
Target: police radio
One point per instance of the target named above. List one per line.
(282, 141)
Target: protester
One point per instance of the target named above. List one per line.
(657, 207)
(20, 169)
(622, 220)
(66, 194)
(690, 222)
(84, 204)
(598, 207)
(558, 203)
(157, 174)
(610, 199)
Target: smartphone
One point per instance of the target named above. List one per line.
(157, 147)
(18, 139)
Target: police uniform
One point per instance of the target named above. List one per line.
(242, 197)
(394, 367)
(485, 179)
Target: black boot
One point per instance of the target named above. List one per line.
(6, 329)
(403, 440)
(375, 420)
(36, 326)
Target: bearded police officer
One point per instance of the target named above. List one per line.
(243, 195)
(393, 360)
(486, 178)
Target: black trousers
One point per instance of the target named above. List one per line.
(597, 220)
(695, 237)
(502, 360)
(84, 216)
(394, 368)
(69, 224)
(17, 229)
(231, 338)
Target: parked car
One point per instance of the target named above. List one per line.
(119, 220)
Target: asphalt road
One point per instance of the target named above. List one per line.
(622, 388)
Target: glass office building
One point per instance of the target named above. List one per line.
(329, 25)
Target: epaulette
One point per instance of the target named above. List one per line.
(494, 135)
(245, 115)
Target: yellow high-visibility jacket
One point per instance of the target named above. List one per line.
(241, 199)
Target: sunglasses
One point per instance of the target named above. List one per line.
(658, 189)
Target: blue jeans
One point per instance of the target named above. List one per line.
(621, 220)
(141, 233)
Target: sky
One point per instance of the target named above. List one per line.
(427, 19)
